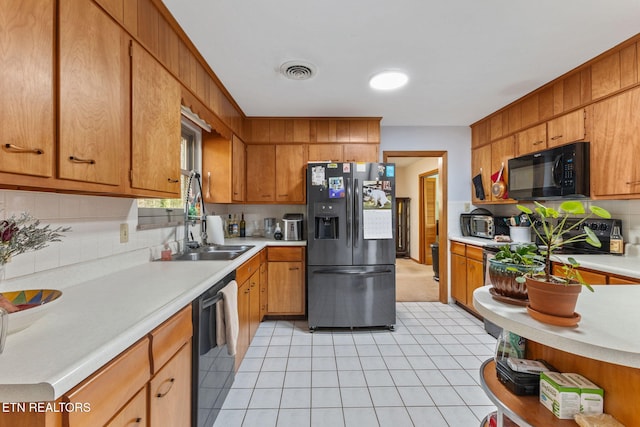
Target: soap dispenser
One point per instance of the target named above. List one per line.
(278, 233)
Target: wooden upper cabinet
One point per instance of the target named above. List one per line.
(615, 144)
(238, 169)
(261, 171)
(325, 152)
(531, 140)
(565, 129)
(361, 153)
(481, 164)
(223, 169)
(123, 11)
(501, 151)
(290, 173)
(26, 104)
(155, 144)
(480, 134)
(615, 71)
(94, 95)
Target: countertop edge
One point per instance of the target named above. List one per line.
(60, 379)
(595, 343)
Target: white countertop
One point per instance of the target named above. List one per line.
(608, 330)
(625, 265)
(96, 320)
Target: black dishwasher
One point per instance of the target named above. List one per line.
(212, 366)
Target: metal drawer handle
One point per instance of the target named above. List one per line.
(633, 182)
(80, 160)
(283, 195)
(294, 268)
(18, 149)
(171, 381)
(538, 142)
(173, 181)
(556, 137)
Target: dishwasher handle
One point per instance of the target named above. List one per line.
(211, 301)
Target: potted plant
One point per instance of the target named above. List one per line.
(507, 265)
(553, 298)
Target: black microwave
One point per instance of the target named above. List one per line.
(556, 173)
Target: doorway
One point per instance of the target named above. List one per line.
(440, 212)
(428, 214)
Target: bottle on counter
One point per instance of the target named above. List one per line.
(235, 227)
(277, 234)
(616, 243)
(243, 226)
(229, 228)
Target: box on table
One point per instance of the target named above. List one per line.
(559, 394)
(591, 396)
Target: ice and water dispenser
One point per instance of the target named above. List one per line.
(326, 221)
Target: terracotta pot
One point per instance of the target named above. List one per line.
(503, 278)
(553, 298)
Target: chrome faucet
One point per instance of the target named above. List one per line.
(187, 244)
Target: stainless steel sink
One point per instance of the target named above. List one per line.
(226, 248)
(213, 253)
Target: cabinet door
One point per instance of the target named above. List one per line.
(361, 153)
(566, 129)
(26, 103)
(475, 279)
(501, 151)
(244, 308)
(481, 164)
(155, 145)
(170, 391)
(238, 169)
(217, 169)
(290, 172)
(286, 288)
(134, 414)
(254, 304)
(459, 278)
(94, 95)
(615, 280)
(325, 152)
(615, 145)
(531, 140)
(263, 289)
(261, 170)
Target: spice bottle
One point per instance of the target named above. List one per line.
(616, 244)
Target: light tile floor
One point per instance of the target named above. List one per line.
(425, 373)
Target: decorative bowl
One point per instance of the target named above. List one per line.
(33, 304)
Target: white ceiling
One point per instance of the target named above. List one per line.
(465, 58)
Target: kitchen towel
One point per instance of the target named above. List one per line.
(477, 183)
(227, 317)
(215, 232)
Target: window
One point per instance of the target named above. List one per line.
(165, 212)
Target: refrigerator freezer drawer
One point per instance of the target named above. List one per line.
(352, 296)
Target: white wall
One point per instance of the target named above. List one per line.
(456, 141)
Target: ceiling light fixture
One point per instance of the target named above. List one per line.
(388, 80)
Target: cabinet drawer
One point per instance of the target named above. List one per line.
(474, 252)
(170, 391)
(111, 387)
(167, 338)
(134, 414)
(294, 253)
(458, 248)
(247, 269)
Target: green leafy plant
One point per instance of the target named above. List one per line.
(553, 234)
(522, 254)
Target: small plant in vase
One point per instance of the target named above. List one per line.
(509, 263)
(553, 298)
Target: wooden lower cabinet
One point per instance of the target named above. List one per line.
(467, 273)
(134, 413)
(170, 391)
(118, 392)
(248, 276)
(286, 294)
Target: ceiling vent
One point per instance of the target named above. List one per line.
(298, 70)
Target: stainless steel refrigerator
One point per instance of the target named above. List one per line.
(351, 273)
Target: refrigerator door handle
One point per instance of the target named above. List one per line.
(354, 272)
(356, 214)
(349, 203)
